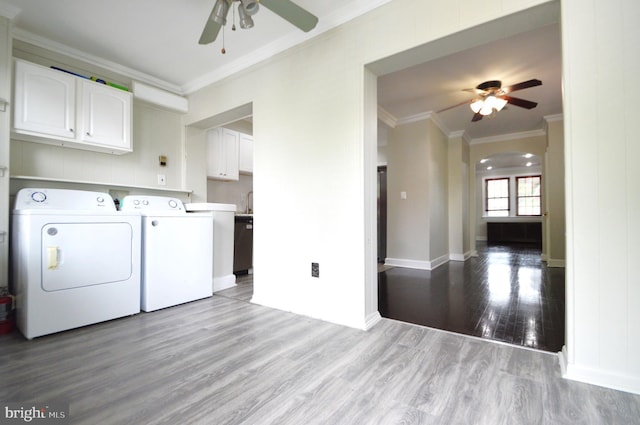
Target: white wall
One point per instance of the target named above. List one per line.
(314, 184)
(600, 44)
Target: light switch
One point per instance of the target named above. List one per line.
(403, 195)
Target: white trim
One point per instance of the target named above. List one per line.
(551, 262)
(553, 118)
(386, 117)
(508, 137)
(224, 282)
(414, 118)
(8, 11)
(372, 320)
(460, 257)
(416, 264)
(62, 49)
(599, 377)
(457, 133)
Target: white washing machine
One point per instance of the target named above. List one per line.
(177, 251)
(75, 258)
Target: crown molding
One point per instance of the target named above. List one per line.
(337, 18)
(506, 137)
(8, 11)
(386, 117)
(553, 118)
(65, 50)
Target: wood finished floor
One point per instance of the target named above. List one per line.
(223, 360)
(505, 294)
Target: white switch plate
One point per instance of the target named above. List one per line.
(162, 180)
(403, 195)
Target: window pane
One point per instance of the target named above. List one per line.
(497, 201)
(529, 195)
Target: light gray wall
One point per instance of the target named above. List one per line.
(5, 94)
(408, 172)
(555, 196)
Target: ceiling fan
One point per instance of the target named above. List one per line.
(286, 9)
(492, 97)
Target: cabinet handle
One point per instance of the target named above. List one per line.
(88, 134)
(71, 130)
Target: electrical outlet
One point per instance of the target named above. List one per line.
(315, 270)
(162, 179)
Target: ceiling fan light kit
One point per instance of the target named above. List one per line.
(493, 98)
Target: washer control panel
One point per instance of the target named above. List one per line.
(63, 199)
(151, 203)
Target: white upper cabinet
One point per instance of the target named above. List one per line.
(106, 114)
(222, 154)
(54, 107)
(45, 101)
(246, 154)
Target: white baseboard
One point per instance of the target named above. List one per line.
(460, 257)
(371, 320)
(556, 263)
(416, 264)
(599, 377)
(224, 282)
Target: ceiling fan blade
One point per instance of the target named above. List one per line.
(211, 29)
(293, 13)
(476, 117)
(466, 102)
(522, 85)
(527, 104)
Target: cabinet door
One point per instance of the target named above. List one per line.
(44, 101)
(246, 154)
(106, 116)
(222, 154)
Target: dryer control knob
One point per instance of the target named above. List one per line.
(145, 202)
(39, 196)
(100, 199)
(173, 203)
(136, 202)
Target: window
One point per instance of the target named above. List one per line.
(497, 202)
(528, 195)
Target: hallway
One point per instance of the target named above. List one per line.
(505, 294)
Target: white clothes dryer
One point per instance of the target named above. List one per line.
(177, 251)
(75, 258)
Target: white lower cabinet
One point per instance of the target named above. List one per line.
(54, 107)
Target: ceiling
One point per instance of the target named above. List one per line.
(159, 38)
(157, 41)
(439, 83)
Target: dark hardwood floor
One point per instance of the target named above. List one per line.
(505, 294)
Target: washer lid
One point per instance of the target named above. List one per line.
(209, 206)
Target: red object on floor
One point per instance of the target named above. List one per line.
(6, 315)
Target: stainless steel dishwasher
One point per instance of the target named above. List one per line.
(243, 244)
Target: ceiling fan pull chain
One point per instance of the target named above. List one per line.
(223, 51)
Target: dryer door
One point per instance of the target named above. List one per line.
(84, 254)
